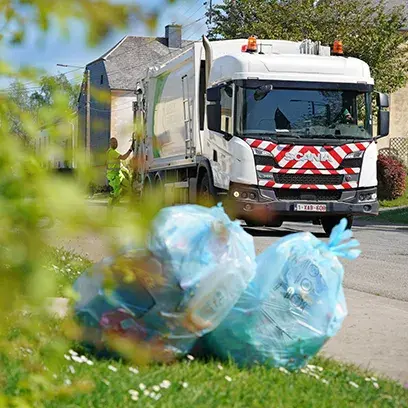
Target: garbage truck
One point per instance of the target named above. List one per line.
(278, 130)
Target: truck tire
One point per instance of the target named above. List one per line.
(328, 223)
(206, 196)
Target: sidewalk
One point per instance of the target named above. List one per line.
(374, 335)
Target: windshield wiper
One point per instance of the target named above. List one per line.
(273, 137)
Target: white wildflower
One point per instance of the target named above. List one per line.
(190, 357)
(77, 359)
(62, 258)
(376, 385)
(228, 378)
(55, 376)
(146, 393)
(220, 367)
(184, 385)
(135, 397)
(72, 369)
(367, 379)
(106, 382)
(67, 357)
(353, 384)
(133, 392)
(373, 378)
(89, 362)
(152, 395)
(165, 384)
(156, 388)
(311, 367)
(72, 352)
(133, 370)
(112, 368)
(142, 386)
(302, 370)
(67, 381)
(320, 368)
(284, 370)
(324, 381)
(157, 397)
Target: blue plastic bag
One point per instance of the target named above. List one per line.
(195, 266)
(292, 307)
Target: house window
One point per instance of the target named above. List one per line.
(101, 79)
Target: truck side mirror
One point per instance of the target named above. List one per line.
(383, 103)
(214, 117)
(214, 94)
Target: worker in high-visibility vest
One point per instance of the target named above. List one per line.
(117, 174)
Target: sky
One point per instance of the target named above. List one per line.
(47, 51)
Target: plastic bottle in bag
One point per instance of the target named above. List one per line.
(292, 307)
(202, 262)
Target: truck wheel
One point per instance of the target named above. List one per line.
(330, 222)
(205, 192)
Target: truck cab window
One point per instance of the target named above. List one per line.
(300, 113)
(226, 109)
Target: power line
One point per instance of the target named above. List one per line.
(197, 11)
(190, 8)
(37, 81)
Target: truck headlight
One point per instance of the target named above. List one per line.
(364, 197)
(355, 155)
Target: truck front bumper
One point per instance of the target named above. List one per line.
(261, 206)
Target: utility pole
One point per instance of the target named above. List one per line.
(88, 114)
(87, 80)
(210, 14)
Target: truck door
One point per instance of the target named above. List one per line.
(218, 146)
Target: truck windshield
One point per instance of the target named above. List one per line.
(274, 113)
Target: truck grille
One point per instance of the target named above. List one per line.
(309, 195)
(308, 178)
(346, 163)
(265, 161)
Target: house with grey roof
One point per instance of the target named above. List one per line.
(113, 81)
(397, 142)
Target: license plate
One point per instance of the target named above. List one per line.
(311, 207)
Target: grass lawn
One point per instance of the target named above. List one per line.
(66, 266)
(193, 382)
(210, 384)
(398, 202)
(397, 216)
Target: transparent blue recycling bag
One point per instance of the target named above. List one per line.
(292, 307)
(195, 266)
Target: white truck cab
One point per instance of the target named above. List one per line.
(279, 130)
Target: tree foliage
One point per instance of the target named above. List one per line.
(30, 194)
(28, 100)
(369, 30)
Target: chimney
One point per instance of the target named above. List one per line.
(173, 35)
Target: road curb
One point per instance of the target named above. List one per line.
(385, 209)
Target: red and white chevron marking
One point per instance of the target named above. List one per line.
(271, 169)
(344, 186)
(307, 157)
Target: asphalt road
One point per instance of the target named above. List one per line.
(381, 269)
